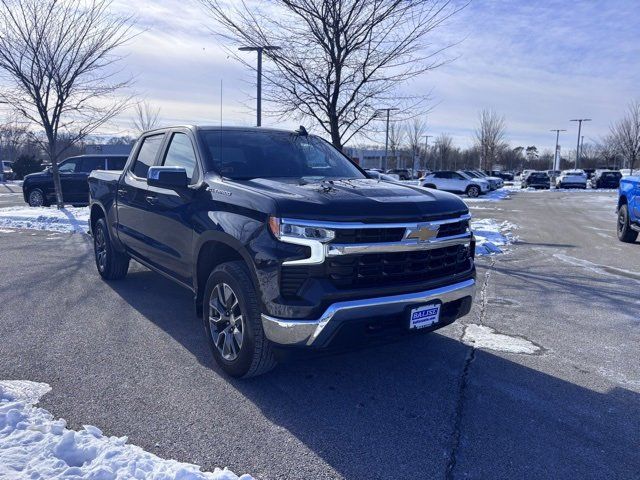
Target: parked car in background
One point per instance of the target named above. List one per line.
(626, 172)
(572, 179)
(38, 189)
(525, 173)
(536, 180)
(403, 173)
(506, 176)
(282, 241)
(629, 209)
(382, 176)
(606, 179)
(494, 182)
(457, 182)
(589, 172)
(7, 170)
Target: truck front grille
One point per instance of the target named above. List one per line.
(380, 269)
(386, 269)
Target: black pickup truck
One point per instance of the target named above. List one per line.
(284, 242)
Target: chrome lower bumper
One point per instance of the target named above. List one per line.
(316, 332)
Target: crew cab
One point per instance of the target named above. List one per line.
(38, 189)
(629, 209)
(284, 242)
(457, 182)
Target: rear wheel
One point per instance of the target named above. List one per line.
(473, 191)
(625, 233)
(233, 324)
(111, 264)
(36, 198)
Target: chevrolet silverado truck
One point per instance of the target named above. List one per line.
(629, 209)
(284, 242)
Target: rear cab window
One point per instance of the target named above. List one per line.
(147, 154)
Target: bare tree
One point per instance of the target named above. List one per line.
(416, 131)
(490, 137)
(339, 60)
(444, 148)
(59, 57)
(608, 150)
(627, 135)
(396, 139)
(146, 117)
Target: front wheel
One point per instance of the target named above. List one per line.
(473, 191)
(111, 264)
(36, 198)
(233, 324)
(625, 233)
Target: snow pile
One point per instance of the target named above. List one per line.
(480, 336)
(491, 235)
(69, 219)
(35, 445)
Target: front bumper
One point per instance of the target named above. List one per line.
(319, 332)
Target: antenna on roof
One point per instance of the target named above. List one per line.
(302, 131)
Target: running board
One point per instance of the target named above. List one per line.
(635, 227)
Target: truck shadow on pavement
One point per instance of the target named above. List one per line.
(425, 407)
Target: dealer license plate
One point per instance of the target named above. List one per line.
(424, 316)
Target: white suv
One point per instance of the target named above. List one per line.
(572, 179)
(457, 182)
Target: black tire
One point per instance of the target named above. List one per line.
(254, 356)
(473, 191)
(36, 198)
(111, 264)
(625, 233)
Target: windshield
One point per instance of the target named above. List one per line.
(243, 155)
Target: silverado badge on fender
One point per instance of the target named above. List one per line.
(423, 233)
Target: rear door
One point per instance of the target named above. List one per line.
(72, 181)
(135, 201)
(458, 182)
(171, 225)
(635, 200)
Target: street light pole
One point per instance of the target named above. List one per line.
(556, 160)
(259, 50)
(426, 149)
(386, 141)
(579, 120)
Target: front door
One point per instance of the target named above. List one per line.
(171, 225)
(73, 181)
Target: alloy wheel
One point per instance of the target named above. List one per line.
(100, 245)
(36, 199)
(226, 321)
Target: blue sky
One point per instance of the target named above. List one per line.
(539, 63)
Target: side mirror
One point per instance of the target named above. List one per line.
(173, 178)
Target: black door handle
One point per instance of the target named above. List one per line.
(122, 192)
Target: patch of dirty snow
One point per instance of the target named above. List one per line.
(33, 444)
(69, 219)
(480, 336)
(492, 236)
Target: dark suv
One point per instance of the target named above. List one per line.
(606, 179)
(38, 189)
(284, 242)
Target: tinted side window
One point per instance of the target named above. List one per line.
(147, 155)
(116, 163)
(440, 175)
(92, 163)
(70, 166)
(180, 154)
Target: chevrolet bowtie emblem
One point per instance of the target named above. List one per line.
(422, 233)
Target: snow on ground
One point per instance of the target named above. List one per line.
(491, 235)
(69, 219)
(481, 336)
(35, 445)
(495, 196)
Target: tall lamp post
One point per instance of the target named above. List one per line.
(579, 120)
(386, 141)
(259, 69)
(556, 160)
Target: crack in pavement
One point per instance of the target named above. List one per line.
(470, 357)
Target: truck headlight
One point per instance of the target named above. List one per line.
(291, 229)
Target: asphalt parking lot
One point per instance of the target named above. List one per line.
(131, 358)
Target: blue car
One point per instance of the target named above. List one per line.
(629, 209)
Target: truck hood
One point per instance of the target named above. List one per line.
(365, 200)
